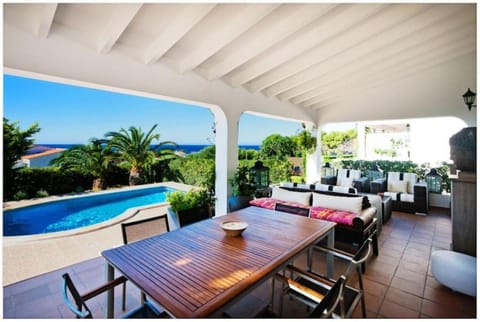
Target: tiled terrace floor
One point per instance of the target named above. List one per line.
(398, 282)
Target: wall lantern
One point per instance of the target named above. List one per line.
(434, 181)
(327, 170)
(375, 172)
(261, 174)
(469, 99)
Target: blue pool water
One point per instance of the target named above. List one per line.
(77, 212)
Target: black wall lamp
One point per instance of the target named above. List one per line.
(469, 99)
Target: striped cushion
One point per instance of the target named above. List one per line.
(340, 217)
(269, 203)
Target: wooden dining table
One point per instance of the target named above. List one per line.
(197, 270)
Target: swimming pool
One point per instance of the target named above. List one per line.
(73, 213)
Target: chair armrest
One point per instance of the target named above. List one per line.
(420, 197)
(378, 185)
(362, 184)
(330, 180)
(301, 289)
(103, 288)
(334, 251)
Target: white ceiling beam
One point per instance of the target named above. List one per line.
(33, 18)
(305, 39)
(46, 19)
(396, 69)
(402, 35)
(392, 15)
(278, 25)
(120, 18)
(176, 22)
(375, 50)
(208, 37)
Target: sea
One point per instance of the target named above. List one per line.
(186, 148)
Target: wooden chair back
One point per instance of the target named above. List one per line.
(328, 304)
(141, 229)
(292, 209)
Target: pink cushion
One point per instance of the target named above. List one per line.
(340, 217)
(269, 203)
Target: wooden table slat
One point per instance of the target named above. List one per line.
(194, 271)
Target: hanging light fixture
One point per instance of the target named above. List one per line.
(469, 99)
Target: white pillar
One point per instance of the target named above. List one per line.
(226, 156)
(361, 141)
(314, 160)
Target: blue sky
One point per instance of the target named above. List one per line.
(69, 114)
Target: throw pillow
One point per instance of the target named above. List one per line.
(351, 204)
(397, 186)
(292, 196)
(345, 182)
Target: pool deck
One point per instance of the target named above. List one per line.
(25, 257)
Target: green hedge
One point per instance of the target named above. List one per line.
(34, 182)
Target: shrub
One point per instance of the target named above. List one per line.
(180, 200)
(20, 195)
(41, 193)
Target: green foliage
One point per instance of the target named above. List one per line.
(205, 153)
(392, 152)
(133, 147)
(297, 179)
(280, 170)
(247, 154)
(305, 141)
(277, 147)
(15, 144)
(180, 200)
(20, 195)
(242, 184)
(41, 193)
(92, 159)
(339, 142)
(28, 181)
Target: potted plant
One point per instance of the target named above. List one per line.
(190, 206)
(243, 189)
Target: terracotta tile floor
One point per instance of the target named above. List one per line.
(398, 282)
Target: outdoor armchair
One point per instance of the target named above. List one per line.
(141, 229)
(348, 178)
(81, 310)
(407, 193)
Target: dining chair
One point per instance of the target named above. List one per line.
(317, 283)
(141, 229)
(292, 209)
(324, 303)
(81, 310)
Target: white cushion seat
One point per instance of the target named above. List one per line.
(406, 197)
(455, 270)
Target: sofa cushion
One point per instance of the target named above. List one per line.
(269, 203)
(410, 178)
(326, 187)
(397, 185)
(350, 204)
(340, 217)
(406, 197)
(291, 196)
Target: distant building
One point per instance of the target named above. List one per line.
(38, 157)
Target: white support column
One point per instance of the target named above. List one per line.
(226, 156)
(314, 160)
(361, 153)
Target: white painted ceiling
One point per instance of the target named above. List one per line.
(308, 55)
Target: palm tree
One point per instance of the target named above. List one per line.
(93, 159)
(134, 150)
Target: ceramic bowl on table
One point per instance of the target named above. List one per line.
(234, 228)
